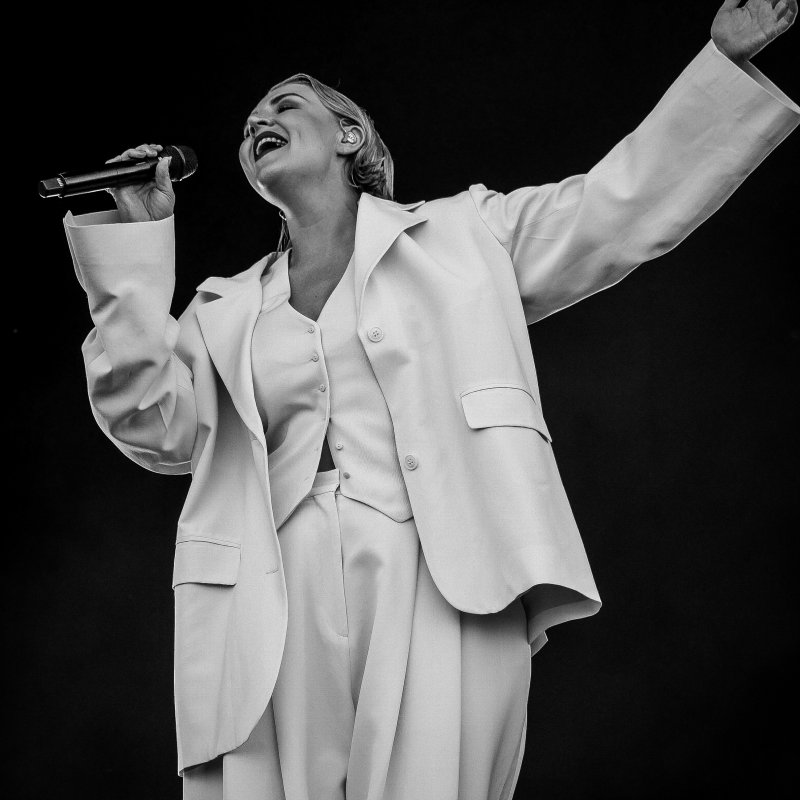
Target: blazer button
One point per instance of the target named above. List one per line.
(375, 334)
(411, 461)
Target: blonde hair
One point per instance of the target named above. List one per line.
(370, 169)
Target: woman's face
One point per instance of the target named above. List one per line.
(290, 138)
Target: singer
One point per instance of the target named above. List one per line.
(376, 537)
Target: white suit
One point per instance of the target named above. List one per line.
(444, 292)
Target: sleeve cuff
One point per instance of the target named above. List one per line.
(99, 241)
(761, 79)
(747, 94)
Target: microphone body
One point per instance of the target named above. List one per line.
(119, 173)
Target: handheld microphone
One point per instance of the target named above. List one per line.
(119, 173)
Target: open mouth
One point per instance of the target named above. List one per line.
(267, 142)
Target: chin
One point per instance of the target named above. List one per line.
(266, 187)
(270, 179)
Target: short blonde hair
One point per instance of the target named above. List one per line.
(370, 169)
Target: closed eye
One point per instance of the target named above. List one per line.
(283, 106)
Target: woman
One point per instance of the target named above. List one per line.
(376, 537)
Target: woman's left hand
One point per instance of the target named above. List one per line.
(741, 32)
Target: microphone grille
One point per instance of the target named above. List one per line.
(184, 161)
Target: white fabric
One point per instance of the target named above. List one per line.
(301, 400)
(385, 688)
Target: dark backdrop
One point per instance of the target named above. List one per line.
(670, 397)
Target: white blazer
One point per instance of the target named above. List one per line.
(445, 291)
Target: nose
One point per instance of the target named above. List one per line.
(256, 120)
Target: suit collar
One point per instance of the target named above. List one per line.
(378, 223)
(227, 323)
(227, 327)
(224, 286)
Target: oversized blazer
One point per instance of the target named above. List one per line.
(444, 292)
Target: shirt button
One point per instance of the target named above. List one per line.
(339, 445)
(310, 329)
(375, 334)
(346, 474)
(315, 357)
(322, 387)
(411, 461)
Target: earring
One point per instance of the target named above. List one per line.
(351, 137)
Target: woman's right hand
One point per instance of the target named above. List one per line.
(145, 202)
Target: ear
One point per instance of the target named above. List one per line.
(350, 139)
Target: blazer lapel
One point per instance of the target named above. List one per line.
(378, 224)
(227, 323)
(227, 327)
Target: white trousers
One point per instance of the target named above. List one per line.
(385, 691)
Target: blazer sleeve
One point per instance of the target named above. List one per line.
(141, 392)
(570, 239)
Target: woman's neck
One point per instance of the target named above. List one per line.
(322, 232)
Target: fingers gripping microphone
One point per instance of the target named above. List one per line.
(120, 173)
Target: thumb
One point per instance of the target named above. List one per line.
(163, 181)
(728, 5)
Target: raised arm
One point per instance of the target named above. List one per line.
(710, 130)
(140, 389)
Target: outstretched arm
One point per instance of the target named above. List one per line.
(711, 129)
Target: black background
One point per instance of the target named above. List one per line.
(671, 397)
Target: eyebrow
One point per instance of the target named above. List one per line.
(286, 94)
(278, 98)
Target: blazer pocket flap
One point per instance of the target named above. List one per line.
(503, 405)
(206, 561)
